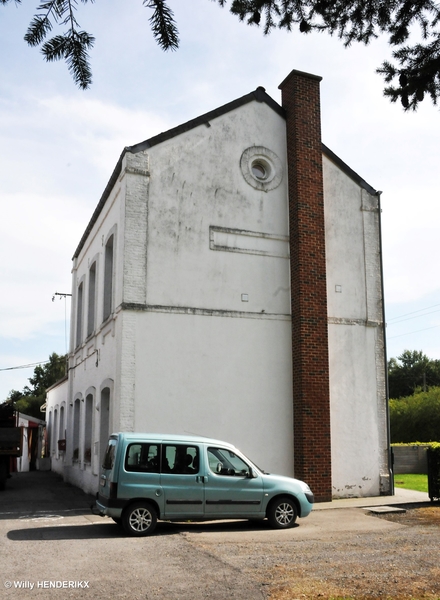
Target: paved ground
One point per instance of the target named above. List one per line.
(49, 540)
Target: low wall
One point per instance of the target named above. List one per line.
(410, 459)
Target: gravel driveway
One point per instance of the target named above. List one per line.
(47, 534)
(391, 556)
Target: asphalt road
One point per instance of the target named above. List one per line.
(52, 546)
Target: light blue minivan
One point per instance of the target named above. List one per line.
(146, 477)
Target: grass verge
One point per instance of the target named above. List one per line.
(412, 481)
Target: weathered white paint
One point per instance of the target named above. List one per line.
(199, 337)
(356, 352)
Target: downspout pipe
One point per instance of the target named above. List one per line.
(387, 394)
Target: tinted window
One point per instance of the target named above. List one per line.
(110, 453)
(142, 457)
(180, 459)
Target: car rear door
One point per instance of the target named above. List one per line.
(109, 470)
(139, 476)
(182, 485)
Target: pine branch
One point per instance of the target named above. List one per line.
(78, 60)
(418, 74)
(417, 66)
(37, 31)
(72, 47)
(163, 25)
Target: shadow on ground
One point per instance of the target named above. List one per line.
(109, 529)
(38, 492)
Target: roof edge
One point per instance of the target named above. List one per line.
(57, 383)
(259, 95)
(348, 170)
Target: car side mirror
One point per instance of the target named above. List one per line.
(251, 474)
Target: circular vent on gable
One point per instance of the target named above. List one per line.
(261, 168)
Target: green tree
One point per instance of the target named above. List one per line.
(416, 418)
(412, 370)
(32, 397)
(413, 74)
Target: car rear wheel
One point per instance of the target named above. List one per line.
(139, 519)
(282, 513)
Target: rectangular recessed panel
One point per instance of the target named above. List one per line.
(248, 242)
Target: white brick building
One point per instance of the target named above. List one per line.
(181, 308)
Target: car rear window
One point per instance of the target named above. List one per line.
(142, 457)
(110, 453)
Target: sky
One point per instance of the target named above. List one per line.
(59, 146)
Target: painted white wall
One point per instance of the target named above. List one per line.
(224, 370)
(56, 397)
(356, 349)
(189, 195)
(224, 377)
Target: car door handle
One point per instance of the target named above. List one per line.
(201, 478)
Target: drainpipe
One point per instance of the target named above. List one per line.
(390, 454)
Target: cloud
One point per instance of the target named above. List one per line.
(53, 181)
(60, 145)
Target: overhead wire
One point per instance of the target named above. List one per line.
(414, 312)
(410, 332)
(42, 362)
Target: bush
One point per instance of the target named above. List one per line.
(416, 418)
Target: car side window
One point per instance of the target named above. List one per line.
(226, 462)
(142, 457)
(180, 459)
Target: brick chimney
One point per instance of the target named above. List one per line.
(311, 392)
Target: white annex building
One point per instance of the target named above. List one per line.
(229, 285)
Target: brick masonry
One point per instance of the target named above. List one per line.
(311, 391)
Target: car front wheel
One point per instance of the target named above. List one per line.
(282, 513)
(139, 519)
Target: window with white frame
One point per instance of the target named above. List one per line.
(79, 314)
(108, 278)
(76, 421)
(91, 300)
(88, 429)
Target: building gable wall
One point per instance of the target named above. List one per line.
(200, 339)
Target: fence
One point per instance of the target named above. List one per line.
(433, 455)
(410, 459)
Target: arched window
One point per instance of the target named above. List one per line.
(104, 427)
(49, 440)
(76, 421)
(62, 428)
(88, 429)
(79, 314)
(91, 300)
(108, 278)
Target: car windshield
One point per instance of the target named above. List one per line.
(255, 465)
(230, 462)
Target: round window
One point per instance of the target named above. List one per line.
(260, 170)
